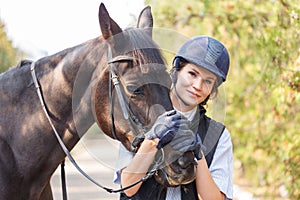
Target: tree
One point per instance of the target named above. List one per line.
(262, 90)
(8, 54)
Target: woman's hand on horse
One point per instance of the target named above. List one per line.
(186, 140)
(166, 126)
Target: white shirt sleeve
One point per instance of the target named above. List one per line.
(221, 168)
(124, 159)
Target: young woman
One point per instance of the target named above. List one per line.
(199, 68)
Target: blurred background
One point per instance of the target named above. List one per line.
(262, 91)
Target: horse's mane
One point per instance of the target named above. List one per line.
(145, 49)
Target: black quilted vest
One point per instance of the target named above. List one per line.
(207, 127)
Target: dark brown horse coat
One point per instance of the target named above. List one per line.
(75, 85)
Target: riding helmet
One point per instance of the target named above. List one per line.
(206, 52)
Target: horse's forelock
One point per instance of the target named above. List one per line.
(145, 50)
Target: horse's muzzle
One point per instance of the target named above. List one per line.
(179, 169)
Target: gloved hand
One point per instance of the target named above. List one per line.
(166, 127)
(186, 140)
(199, 148)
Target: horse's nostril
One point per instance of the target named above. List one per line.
(187, 160)
(183, 162)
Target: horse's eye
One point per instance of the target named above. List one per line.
(139, 91)
(131, 88)
(135, 90)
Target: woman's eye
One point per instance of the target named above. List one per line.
(192, 74)
(208, 82)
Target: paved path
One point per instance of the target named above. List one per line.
(96, 154)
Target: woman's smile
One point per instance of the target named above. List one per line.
(194, 94)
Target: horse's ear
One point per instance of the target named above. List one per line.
(108, 26)
(145, 20)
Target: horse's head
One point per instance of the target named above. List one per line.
(134, 90)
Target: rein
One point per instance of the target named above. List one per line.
(64, 148)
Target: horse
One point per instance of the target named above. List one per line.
(76, 91)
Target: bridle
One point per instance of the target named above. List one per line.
(127, 113)
(133, 122)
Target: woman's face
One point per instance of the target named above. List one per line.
(193, 86)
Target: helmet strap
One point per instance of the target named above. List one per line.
(176, 62)
(175, 70)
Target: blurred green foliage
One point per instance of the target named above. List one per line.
(262, 90)
(8, 53)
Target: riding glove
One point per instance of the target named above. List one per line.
(165, 127)
(186, 140)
